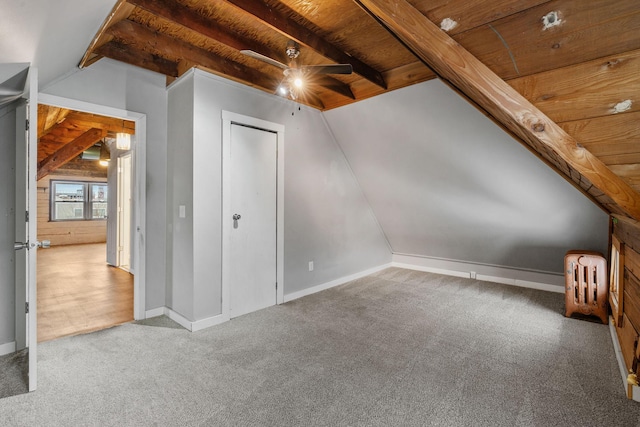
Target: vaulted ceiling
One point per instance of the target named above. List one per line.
(563, 76)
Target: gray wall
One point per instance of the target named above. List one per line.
(118, 85)
(180, 290)
(443, 182)
(446, 182)
(7, 226)
(327, 220)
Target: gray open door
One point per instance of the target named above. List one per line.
(26, 242)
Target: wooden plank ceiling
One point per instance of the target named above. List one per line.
(574, 63)
(63, 135)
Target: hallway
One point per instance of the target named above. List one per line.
(79, 293)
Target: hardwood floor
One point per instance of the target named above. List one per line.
(79, 293)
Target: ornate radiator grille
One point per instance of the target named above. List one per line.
(586, 284)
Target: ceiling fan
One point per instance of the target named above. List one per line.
(296, 76)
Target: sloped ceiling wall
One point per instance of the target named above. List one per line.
(444, 181)
(49, 35)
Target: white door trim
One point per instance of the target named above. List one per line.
(123, 203)
(229, 118)
(138, 152)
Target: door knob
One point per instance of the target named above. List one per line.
(44, 244)
(236, 217)
(19, 245)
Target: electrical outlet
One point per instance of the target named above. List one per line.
(310, 265)
(472, 274)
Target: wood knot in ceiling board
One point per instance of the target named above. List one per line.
(613, 63)
(538, 127)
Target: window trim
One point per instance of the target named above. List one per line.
(87, 202)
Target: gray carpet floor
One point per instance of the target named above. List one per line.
(14, 377)
(398, 348)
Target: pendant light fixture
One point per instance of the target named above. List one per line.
(123, 141)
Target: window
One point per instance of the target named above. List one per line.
(78, 201)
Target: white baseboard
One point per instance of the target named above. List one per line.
(7, 348)
(546, 281)
(431, 269)
(198, 325)
(333, 283)
(524, 278)
(208, 322)
(189, 325)
(179, 319)
(522, 283)
(160, 311)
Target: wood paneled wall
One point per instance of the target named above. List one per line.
(67, 232)
(627, 232)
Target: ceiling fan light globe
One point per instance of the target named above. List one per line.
(298, 82)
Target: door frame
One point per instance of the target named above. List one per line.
(229, 118)
(122, 203)
(139, 199)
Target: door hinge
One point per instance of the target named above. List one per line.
(276, 286)
(26, 127)
(26, 307)
(26, 216)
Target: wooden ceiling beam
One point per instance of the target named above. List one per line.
(111, 124)
(188, 18)
(558, 166)
(82, 168)
(120, 52)
(454, 63)
(284, 24)
(120, 10)
(69, 151)
(139, 37)
(334, 85)
(49, 117)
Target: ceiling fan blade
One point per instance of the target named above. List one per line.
(264, 58)
(329, 69)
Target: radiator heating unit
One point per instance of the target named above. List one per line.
(586, 287)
